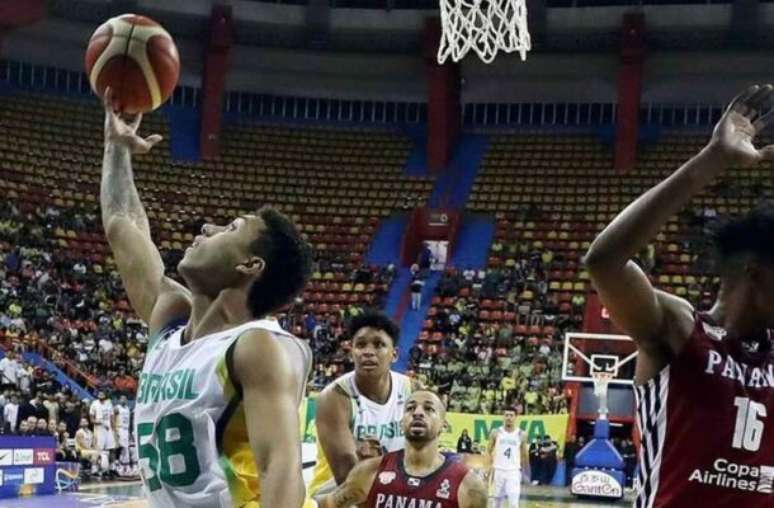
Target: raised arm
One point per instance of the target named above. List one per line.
(472, 493)
(126, 225)
(658, 322)
(354, 490)
(270, 389)
(334, 434)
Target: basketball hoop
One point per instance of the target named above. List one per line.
(601, 381)
(485, 26)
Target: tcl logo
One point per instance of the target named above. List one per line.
(43, 457)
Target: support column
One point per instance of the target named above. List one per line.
(629, 91)
(318, 23)
(14, 14)
(443, 100)
(221, 38)
(537, 21)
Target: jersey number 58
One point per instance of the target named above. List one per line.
(174, 437)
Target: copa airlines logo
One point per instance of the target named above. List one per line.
(731, 475)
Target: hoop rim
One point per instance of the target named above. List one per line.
(602, 377)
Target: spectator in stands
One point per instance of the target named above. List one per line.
(71, 416)
(41, 427)
(310, 322)
(464, 443)
(52, 406)
(417, 285)
(548, 453)
(24, 378)
(125, 384)
(28, 408)
(629, 454)
(9, 368)
(11, 414)
(535, 462)
(578, 302)
(571, 449)
(65, 451)
(24, 428)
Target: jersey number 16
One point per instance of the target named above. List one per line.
(749, 427)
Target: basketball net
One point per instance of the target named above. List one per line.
(485, 26)
(601, 382)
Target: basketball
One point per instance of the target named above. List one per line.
(137, 59)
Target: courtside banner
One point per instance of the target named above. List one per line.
(26, 465)
(478, 426)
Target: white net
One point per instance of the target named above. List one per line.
(485, 26)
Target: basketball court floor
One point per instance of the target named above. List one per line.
(123, 495)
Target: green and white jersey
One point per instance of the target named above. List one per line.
(369, 418)
(507, 451)
(189, 419)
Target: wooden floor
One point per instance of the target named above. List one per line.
(123, 495)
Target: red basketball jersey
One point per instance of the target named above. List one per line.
(707, 425)
(393, 487)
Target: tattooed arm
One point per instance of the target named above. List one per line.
(354, 491)
(156, 298)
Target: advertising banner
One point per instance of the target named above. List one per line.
(27, 465)
(478, 426)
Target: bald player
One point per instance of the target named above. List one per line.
(419, 475)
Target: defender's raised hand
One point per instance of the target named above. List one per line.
(733, 136)
(119, 132)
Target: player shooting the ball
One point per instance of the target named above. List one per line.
(216, 415)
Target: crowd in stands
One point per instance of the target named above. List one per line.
(71, 306)
(326, 333)
(67, 304)
(33, 403)
(493, 338)
(74, 310)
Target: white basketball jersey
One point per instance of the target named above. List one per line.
(102, 413)
(507, 452)
(123, 417)
(381, 420)
(368, 419)
(189, 419)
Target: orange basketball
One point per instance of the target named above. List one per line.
(137, 59)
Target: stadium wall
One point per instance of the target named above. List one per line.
(669, 77)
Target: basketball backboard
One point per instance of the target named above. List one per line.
(587, 353)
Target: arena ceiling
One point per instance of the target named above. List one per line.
(707, 25)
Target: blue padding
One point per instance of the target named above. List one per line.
(599, 453)
(602, 429)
